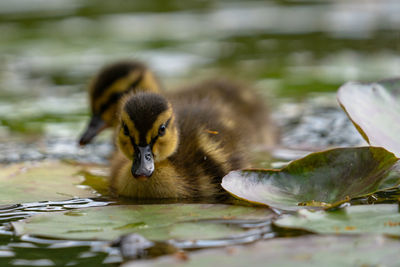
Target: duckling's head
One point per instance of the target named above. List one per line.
(107, 89)
(147, 132)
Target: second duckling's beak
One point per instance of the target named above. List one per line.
(96, 125)
(143, 166)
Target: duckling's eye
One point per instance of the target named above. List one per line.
(126, 130)
(161, 130)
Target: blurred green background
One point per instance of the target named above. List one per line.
(50, 49)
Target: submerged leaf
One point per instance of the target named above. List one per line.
(155, 222)
(375, 112)
(97, 181)
(382, 219)
(45, 181)
(319, 179)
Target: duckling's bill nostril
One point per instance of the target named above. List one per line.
(143, 164)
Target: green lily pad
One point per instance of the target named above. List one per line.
(312, 250)
(154, 222)
(381, 219)
(317, 180)
(375, 112)
(45, 181)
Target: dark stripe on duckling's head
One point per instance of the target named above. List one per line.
(143, 109)
(106, 99)
(111, 73)
(147, 119)
(115, 97)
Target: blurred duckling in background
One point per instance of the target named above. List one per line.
(180, 146)
(108, 87)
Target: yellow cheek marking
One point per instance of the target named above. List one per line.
(125, 145)
(162, 118)
(118, 86)
(166, 145)
(132, 129)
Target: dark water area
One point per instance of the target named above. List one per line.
(296, 53)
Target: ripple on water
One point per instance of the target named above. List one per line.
(19, 248)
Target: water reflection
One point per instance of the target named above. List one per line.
(34, 251)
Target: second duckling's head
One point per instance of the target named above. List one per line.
(147, 132)
(107, 89)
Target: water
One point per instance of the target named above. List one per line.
(296, 53)
(30, 251)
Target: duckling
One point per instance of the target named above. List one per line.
(242, 102)
(108, 87)
(179, 147)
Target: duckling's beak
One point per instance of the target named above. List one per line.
(96, 125)
(143, 166)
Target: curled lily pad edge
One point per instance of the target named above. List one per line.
(329, 206)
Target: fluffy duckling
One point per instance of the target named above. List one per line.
(108, 87)
(177, 148)
(241, 102)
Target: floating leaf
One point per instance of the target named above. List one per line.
(374, 111)
(305, 251)
(382, 219)
(155, 222)
(318, 179)
(43, 181)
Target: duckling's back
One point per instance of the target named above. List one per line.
(243, 107)
(210, 145)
